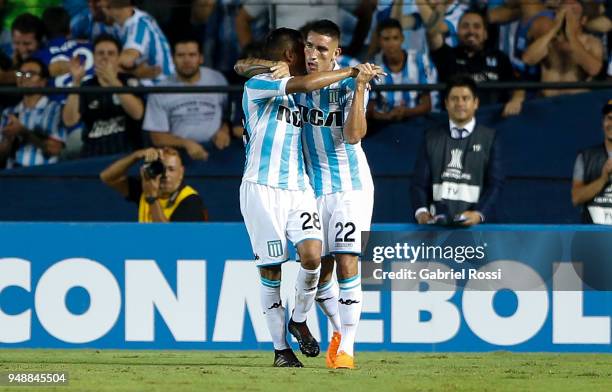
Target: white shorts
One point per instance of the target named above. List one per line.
(344, 216)
(275, 216)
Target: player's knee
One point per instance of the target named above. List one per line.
(310, 258)
(310, 261)
(310, 254)
(348, 265)
(270, 273)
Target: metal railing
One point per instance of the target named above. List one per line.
(236, 88)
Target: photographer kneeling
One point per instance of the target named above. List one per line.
(160, 192)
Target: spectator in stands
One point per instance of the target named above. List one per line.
(534, 19)
(400, 66)
(60, 49)
(32, 133)
(27, 34)
(443, 17)
(591, 186)
(146, 52)
(91, 22)
(253, 50)
(16, 8)
(214, 23)
(565, 52)
(295, 14)
(161, 194)
(112, 121)
(471, 56)
(458, 176)
(187, 120)
(597, 20)
(407, 13)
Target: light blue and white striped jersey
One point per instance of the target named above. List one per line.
(273, 125)
(451, 18)
(141, 32)
(45, 120)
(333, 165)
(417, 69)
(82, 26)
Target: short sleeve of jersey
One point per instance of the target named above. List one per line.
(156, 118)
(349, 86)
(263, 87)
(136, 37)
(579, 169)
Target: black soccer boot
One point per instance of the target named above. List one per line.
(308, 344)
(286, 358)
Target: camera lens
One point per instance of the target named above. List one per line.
(154, 169)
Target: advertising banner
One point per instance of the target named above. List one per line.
(194, 286)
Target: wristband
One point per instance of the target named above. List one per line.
(150, 199)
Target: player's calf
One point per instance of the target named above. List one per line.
(349, 303)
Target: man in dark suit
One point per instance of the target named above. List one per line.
(458, 176)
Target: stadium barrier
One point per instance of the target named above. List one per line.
(539, 150)
(13, 90)
(193, 286)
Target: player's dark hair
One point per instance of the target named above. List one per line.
(28, 23)
(57, 22)
(120, 3)
(253, 49)
(281, 39)
(461, 80)
(44, 71)
(389, 24)
(107, 38)
(324, 27)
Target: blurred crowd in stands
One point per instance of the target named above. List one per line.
(196, 42)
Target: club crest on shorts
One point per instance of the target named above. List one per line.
(275, 248)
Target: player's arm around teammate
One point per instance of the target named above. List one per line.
(356, 125)
(302, 83)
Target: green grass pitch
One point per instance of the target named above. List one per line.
(115, 370)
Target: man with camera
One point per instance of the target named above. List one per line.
(160, 192)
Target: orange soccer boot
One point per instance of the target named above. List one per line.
(344, 361)
(332, 350)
